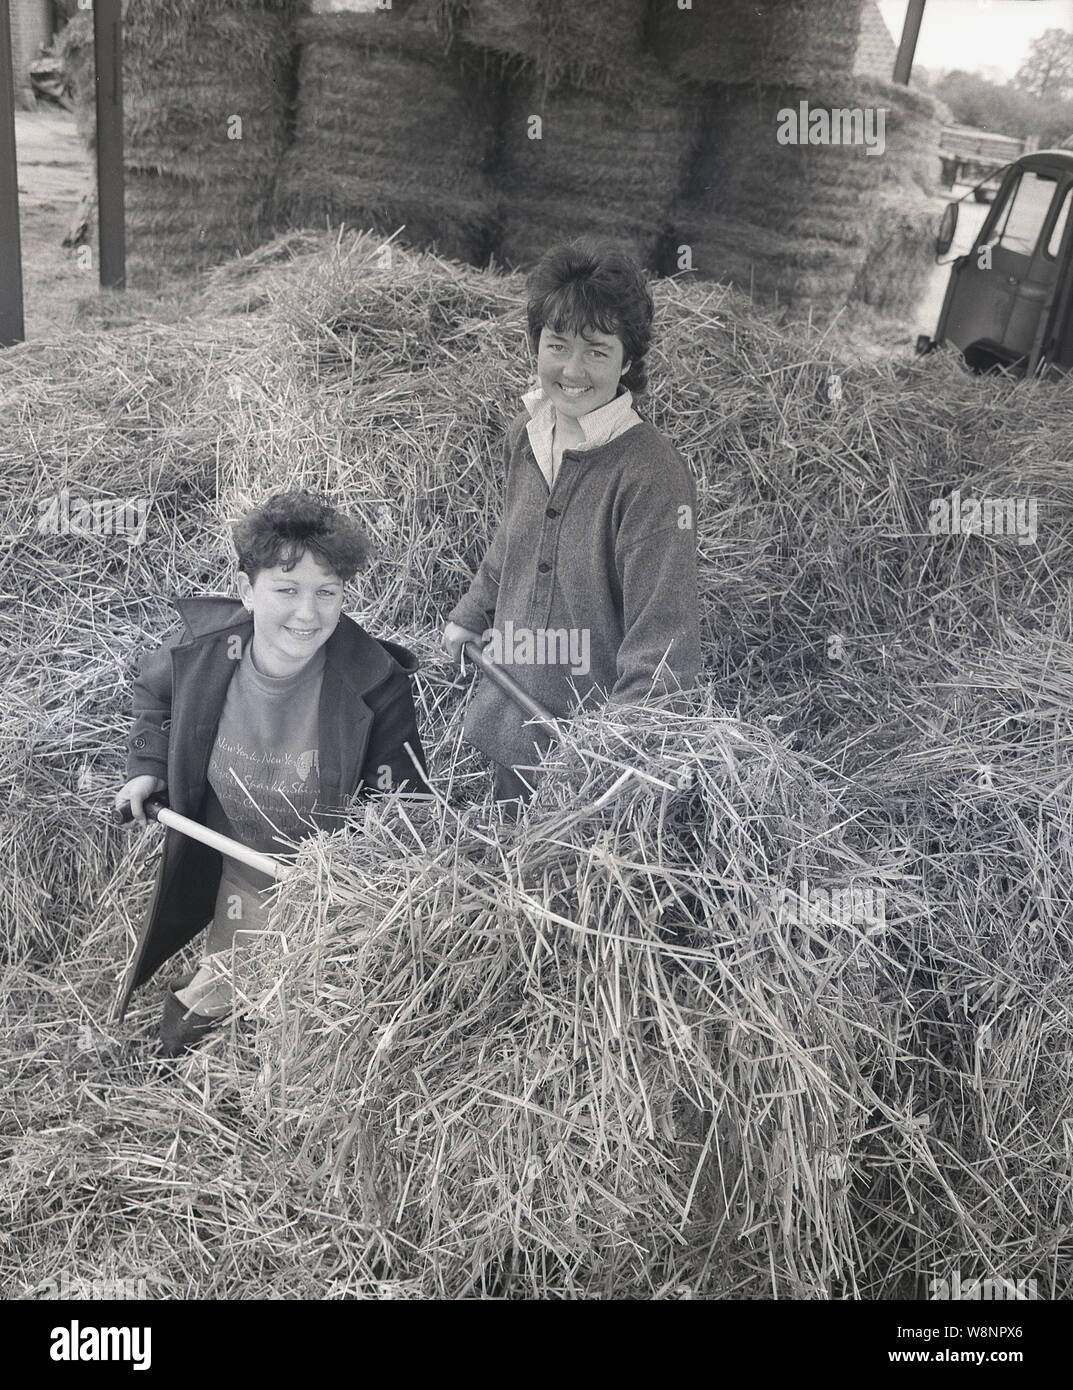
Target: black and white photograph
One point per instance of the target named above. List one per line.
(536, 631)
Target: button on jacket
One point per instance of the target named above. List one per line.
(608, 551)
(365, 715)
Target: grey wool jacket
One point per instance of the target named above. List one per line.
(607, 558)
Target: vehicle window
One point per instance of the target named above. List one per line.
(1022, 219)
(1060, 221)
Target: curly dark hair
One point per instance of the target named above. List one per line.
(287, 524)
(587, 284)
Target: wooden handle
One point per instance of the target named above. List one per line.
(156, 810)
(517, 694)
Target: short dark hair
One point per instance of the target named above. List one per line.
(287, 524)
(591, 284)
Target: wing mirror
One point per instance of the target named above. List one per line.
(947, 228)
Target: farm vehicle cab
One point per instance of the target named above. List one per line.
(1009, 300)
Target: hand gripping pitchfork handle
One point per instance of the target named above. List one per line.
(156, 810)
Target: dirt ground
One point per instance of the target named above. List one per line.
(55, 169)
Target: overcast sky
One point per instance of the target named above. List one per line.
(976, 35)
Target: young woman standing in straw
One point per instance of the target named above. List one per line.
(590, 583)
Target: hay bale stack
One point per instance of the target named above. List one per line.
(790, 271)
(796, 221)
(391, 131)
(607, 163)
(198, 183)
(205, 103)
(188, 72)
(591, 44)
(901, 251)
(792, 222)
(900, 245)
(790, 43)
(914, 121)
(789, 221)
(179, 224)
(616, 134)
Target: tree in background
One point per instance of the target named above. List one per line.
(1047, 72)
(974, 101)
(1007, 109)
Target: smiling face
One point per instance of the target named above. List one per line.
(295, 611)
(579, 372)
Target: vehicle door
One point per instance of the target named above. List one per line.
(1006, 280)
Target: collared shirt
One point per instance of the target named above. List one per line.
(599, 426)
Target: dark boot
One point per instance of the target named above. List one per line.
(180, 1028)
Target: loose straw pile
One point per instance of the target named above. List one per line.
(591, 1054)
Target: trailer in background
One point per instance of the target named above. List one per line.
(978, 157)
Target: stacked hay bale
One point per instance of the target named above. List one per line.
(913, 123)
(594, 138)
(901, 240)
(900, 252)
(393, 131)
(781, 43)
(604, 163)
(590, 45)
(772, 202)
(782, 220)
(546, 121)
(206, 89)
